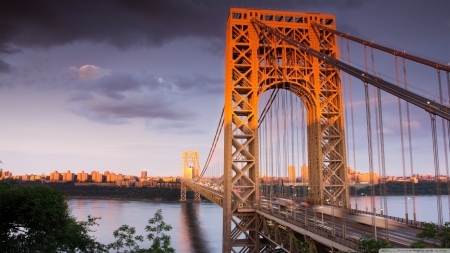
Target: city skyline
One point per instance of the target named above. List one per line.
(130, 95)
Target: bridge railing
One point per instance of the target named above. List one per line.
(311, 226)
(413, 223)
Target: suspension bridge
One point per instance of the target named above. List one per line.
(296, 94)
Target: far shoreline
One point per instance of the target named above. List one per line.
(136, 199)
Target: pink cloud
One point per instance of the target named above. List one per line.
(88, 72)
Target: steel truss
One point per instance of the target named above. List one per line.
(257, 61)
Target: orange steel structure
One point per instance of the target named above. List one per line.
(258, 61)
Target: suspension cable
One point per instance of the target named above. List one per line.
(370, 153)
(352, 118)
(213, 146)
(444, 133)
(410, 143)
(436, 168)
(386, 49)
(401, 139)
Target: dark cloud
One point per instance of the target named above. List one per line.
(110, 112)
(200, 84)
(117, 98)
(175, 127)
(121, 23)
(113, 86)
(124, 24)
(99, 117)
(4, 67)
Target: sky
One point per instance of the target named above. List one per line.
(126, 86)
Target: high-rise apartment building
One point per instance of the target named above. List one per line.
(97, 177)
(82, 177)
(68, 176)
(305, 174)
(291, 173)
(54, 176)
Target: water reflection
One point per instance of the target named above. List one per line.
(195, 227)
(192, 226)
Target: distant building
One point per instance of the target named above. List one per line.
(68, 176)
(305, 173)
(97, 177)
(82, 177)
(143, 174)
(55, 176)
(371, 178)
(25, 177)
(291, 173)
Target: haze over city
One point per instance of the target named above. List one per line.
(127, 86)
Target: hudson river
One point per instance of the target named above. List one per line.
(197, 227)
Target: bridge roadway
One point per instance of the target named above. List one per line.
(318, 226)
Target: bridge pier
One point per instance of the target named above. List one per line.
(183, 192)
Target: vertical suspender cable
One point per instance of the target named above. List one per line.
(436, 168)
(377, 130)
(271, 164)
(380, 149)
(405, 193)
(444, 134)
(369, 143)
(291, 106)
(448, 129)
(383, 160)
(352, 118)
(371, 175)
(302, 130)
(344, 88)
(297, 142)
(277, 157)
(413, 193)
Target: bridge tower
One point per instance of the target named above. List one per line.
(255, 62)
(190, 169)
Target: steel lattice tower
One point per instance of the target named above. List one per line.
(190, 169)
(257, 61)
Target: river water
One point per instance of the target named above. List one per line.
(197, 227)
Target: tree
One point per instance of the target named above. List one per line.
(37, 219)
(125, 237)
(156, 226)
(367, 244)
(430, 230)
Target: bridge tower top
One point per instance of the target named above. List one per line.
(280, 17)
(190, 164)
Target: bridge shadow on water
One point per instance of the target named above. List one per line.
(192, 226)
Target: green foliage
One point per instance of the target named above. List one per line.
(367, 244)
(418, 245)
(431, 230)
(302, 246)
(96, 191)
(37, 219)
(155, 228)
(125, 237)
